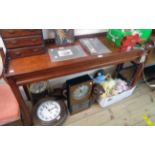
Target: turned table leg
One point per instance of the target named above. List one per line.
(26, 92)
(137, 73)
(26, 115)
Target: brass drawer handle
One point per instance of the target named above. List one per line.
(18, 53)
(14, 41)
(35, 50)
(34, 40)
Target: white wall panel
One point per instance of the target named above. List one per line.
(49, 33)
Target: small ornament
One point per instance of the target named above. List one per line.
(97, 91)
(121, 86)
(99, 76)
(38, 90)
(64, 36)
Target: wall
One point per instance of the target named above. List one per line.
(49, 33)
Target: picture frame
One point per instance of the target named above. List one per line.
(64, 36)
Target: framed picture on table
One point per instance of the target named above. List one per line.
(64, 36)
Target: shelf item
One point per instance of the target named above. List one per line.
(12, 33)
(49, 112)
(23, 43)
(38, 90)
(66, 53)
(78, 93)
(117, 35)
(105, 102)
(64, 36)
(94, 46)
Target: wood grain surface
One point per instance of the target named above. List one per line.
(40, 67)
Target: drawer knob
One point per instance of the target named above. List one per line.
(34, 40)
(14, 41)
(18, 53)
(35, 50)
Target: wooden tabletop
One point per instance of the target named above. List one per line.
(40, 67)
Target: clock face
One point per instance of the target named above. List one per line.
(80, 92)
(49, 110)
(38, 87)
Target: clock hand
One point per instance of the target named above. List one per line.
(46, 108)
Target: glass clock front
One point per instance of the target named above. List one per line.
(38, 87)
(48, 111)
(80, 92)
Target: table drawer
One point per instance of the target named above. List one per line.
(27, 51)
(23, 41)
(10, 33)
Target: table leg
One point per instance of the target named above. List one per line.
(26, 115)
(27, 92)
(137, 74)
(119, 67)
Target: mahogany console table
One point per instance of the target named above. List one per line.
(23, 71)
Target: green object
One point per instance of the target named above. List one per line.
(116, 35)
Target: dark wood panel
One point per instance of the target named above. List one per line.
(46, 74)
(27, 51)
(23, 41)
(10, 33)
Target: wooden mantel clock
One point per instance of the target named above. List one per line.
(78, 93)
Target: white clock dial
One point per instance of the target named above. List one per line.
(80, 92)
(49, 111)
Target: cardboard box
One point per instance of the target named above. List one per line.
(115, 99)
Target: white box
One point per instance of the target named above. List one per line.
(114, 99)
